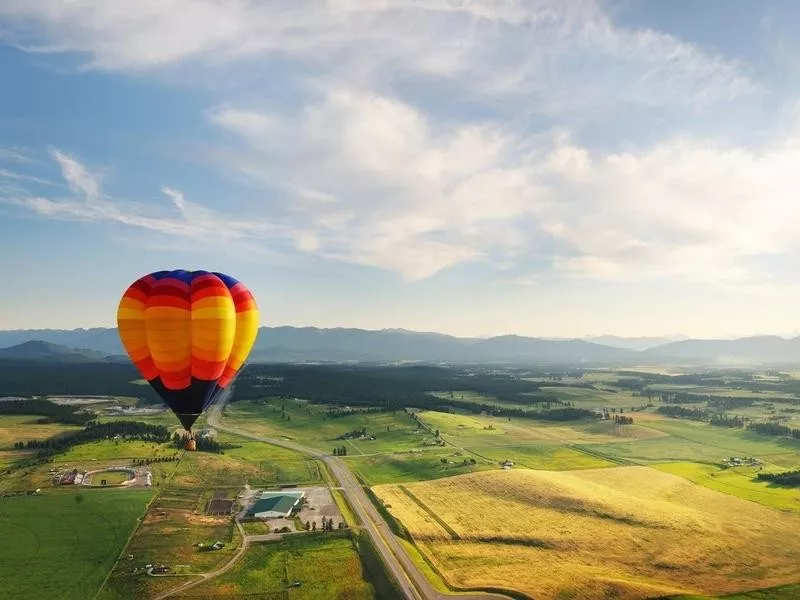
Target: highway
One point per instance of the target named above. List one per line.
(411, 580)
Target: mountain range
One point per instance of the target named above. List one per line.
(312, 344)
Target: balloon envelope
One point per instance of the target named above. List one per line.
(189, 334)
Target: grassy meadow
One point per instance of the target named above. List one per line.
(326, 566)
(63, 545)
(626, 532)
(21, 428)
(308, 424)
(590, 509)
(739, 482)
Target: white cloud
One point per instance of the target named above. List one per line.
(545, 55)
(372, 181)
(375, 182)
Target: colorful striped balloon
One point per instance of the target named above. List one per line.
(189, 334)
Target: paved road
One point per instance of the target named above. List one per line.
(413, 582)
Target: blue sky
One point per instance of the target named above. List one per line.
(472, 167)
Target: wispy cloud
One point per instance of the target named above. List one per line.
(14, 156)
(90, 204)
(550, 55)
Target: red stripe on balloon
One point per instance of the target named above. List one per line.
(206, 369)
(157, 300)
(147, 368)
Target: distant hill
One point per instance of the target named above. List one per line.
(313, 344)
(633, 343)
(39, 350)
(769, 349)
(100, 339)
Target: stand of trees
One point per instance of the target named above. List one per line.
(50, 411)
(391, 388)
(695, 414)
(41, 378)
(128, 430)
(340, 451)
(788, 478)
(775, 430)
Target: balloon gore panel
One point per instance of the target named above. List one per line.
(189, 334)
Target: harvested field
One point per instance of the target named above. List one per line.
(623, 532)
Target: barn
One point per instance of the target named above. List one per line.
(273, 505)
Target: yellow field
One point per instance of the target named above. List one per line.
(21, 428)
(622, 532)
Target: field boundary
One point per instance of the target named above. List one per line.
(433, 515)
(138, 526)
(611, 459)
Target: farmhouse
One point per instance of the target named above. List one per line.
(274, 506)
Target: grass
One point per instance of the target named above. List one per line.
(344, 507)
(786, 592)
(110, 477)
(256, 463)
(739, 482)
(327, 567)
(550, 458)
(481, 430)
(417, 466)
(111, 449)
(725, 439)
(21, 428)
(629, 532)
(308, 425)
(56, 547)
(169, 535)
(590, 398)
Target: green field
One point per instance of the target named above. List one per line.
(308, 425)
(110, 449)
(548, 458)
(256, 463)
(56, 547)
(21, 428)
(786, 592)
(402, 468)
(481, 430)
(110, 477)
(725, 439)
(326, 566)
(737, 482)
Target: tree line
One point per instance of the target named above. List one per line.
(388, 387)
(788, 478)
(50, 411)
(127, 430)
(774, 429)
(42, 378)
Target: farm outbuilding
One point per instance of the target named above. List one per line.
(274, 506)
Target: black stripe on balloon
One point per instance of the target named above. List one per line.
(190, 402)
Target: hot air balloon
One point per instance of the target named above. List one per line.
(189, 334)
